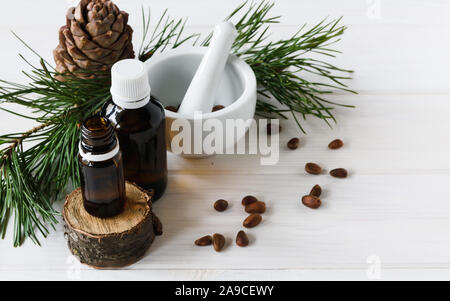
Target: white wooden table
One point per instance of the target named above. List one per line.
(389, 220)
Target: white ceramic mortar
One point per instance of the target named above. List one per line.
(170, 74)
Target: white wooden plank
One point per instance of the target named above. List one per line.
(71, 273)
(400, 51)
(400, 129)
(205, 13)
(402, 219)
(383, 134)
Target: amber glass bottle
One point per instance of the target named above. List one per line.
(139, 122)
(101, 168)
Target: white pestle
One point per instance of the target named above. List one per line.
(201, 93)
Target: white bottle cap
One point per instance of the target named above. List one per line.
(129, 84)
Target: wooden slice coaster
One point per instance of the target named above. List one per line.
(111, 242)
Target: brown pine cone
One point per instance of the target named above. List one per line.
(95, 37)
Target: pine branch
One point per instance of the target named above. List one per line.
(8, 150)
(32, 177)
(282, 68)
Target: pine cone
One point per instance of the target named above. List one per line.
(95, 37)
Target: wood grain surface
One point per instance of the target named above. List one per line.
(134, 212)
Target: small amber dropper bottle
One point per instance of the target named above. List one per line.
(101, 168)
